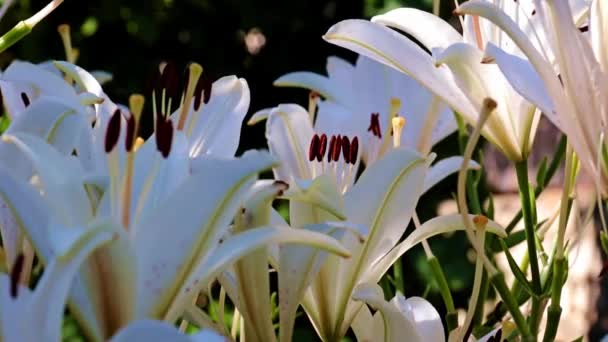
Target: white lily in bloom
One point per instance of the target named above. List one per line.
(37, 315)
(575, 101)
(247, 283)
(167, 201)
(453, 72)
(414, 317)
(356, 96)
(390, 186)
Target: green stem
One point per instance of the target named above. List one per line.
(521, 168)
(555, 163)
(498, 280)
(446, 295)
(398, 276)
(555, 310)
(14, 35)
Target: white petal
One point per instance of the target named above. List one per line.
(216, 129)
(62, 180)
(424, 315)
(203, 219)
(444, 168)
(158, 331)
(427, 28)
(396, 325)
(391, 48)
(309, 80)
(522, 76)
(289, 131)
(430, 228)
(241, 244)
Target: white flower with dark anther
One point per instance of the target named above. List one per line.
(382, 200)
(173, 204)
(357, 97)
(453, 72)
(413, 319)
(571, 89)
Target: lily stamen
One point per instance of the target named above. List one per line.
(398, 124)
(195, 71)
(16, 274)
(313, 97)
(25, 99)
(136, 103)
(112, 136)
(66, 39)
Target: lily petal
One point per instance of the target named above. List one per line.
(396, 325)
(157, 331)
(203, 221)
(423, 314)
(417, 23)
(241, 244)
(215, 130)
(443, 168)
(289, 131)
(392, 49)
(430, 228)
(45, 306)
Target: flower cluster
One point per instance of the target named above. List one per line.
(133, 230)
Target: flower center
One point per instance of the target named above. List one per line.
(338, 158)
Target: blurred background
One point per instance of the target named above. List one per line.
(258, 40)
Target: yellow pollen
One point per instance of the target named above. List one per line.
(136, 105)
(398, 125)
(138, 143)
(195, 73)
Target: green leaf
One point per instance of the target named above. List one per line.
(519, 275)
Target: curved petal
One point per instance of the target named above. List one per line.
(62, 180)
(157, 331)
(203, 221)
(523, 78)
(480, 81)
(391, 48)
(423, 314)
(45, 81)
(396, 325)
(44, 307)
(430, 228)
(216, 128)
(308, 80)
(598, 29)
(241, 244)
(444, 168)
(289, 131)
(428, 29)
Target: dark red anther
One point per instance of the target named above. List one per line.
(130, 138)
(164, 135)
(202, 91)
(313, 149)
(354, 150)
(332, 146)
(113, 131)
(374, 125)
(25, 99)
(322, 147)
(337, 147)
(346, 149)
(16, 274)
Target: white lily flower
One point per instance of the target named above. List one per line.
(453, 72)
(37, 315)
(155, 331)
(247, 283)
(359, 96)
(414, 317)
(574, 102)
(390, 186)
